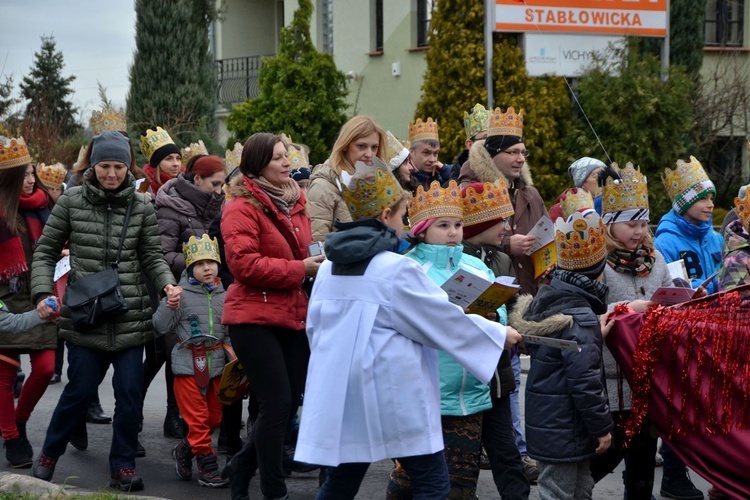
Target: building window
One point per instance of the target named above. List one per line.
(724, 21)
(327, 25)
(378, 25)
(425, 8)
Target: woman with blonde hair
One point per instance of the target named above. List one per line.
(360, 139)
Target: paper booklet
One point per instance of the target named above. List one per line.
(669, 296)
(477, 294)
(677, 270)
(542, 252)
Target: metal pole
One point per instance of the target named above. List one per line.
(665, 50)
(489, 25)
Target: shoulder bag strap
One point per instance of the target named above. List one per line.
(124, 230)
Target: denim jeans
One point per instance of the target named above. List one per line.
(515, 407)
(499, 439)
(85, 369)
(428, 473)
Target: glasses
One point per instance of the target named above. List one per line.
(522, 152)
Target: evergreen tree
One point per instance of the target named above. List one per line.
(47, 92)
(638, 117)
(7, 101)
(172, 79)
(454, 82)
(301, 93)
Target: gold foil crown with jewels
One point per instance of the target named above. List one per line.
(742, 205)
(436, 202)
(52, 176)
(576, 200)
(370, 190)
(108, 119)
(423, 131)
(508, 123)
(297, 157)
(201, 249)
(625, 199)
(580, 242)
(13, 153)
(686, 184)
(153, 140)
(195, 149)
(233, 157)
(476, 122)
(395, 152)
(493, 202)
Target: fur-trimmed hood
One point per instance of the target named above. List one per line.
(486, 171)
(544, 327)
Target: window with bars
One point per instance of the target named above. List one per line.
(425, 8)
(378, 25)
(724, 22)
(327, 25)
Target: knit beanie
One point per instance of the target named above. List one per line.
(580, 169)
(162, 153)
(497, 143)
(206, 166)
(110, 146)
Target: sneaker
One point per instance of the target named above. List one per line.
(126, 479)
(18, 453)
(44, 467)
(183, 461)
(208, 472)
(530, 470)
(680, 487)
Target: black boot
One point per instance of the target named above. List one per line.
(19, 453)
(95, 414)
(20, 377)
(291, 465)
(80, 437)
(173, 422)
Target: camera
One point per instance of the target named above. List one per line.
(315, 248)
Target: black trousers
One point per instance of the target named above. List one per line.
(275, 362)
(639, 456)
(499, 441)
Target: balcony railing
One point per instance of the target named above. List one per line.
(237, 78)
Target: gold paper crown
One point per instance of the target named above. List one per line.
(423, 131)
(13, 153)
(476, 122)
(233, 158)
(508, 123)
(153, 140)
(575, 200)
(370, 191)
(687, 183)
(580, 242)
(630, 192)
(297, 157)
(395, 152)
(108, 119)
(492, 203)
(436, 202)
(742, 205)
(195, 149)
(52, 176)
(201, 249)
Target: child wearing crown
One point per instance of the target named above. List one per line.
(634, 271)
(383, 401)
(567, 416)
(437, 217)
(735, 265)
(487, 211)
(198, 358)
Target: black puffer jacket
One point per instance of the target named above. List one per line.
(566, 403)
(91, 220)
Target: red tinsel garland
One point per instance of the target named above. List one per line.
(705, 346)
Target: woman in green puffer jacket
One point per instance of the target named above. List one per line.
(91, 217)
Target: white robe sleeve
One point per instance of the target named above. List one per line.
(422, 312)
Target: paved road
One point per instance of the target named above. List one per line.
(89, 469)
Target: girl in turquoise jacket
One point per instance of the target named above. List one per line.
(437, 225)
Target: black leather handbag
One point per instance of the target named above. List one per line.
(97, 298)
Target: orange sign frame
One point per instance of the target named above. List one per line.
(605, 17)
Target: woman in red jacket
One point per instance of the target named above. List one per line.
(266, 233)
